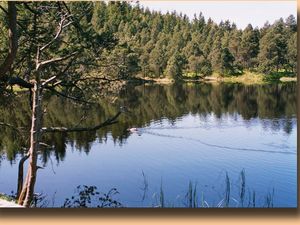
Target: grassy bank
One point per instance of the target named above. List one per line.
(246, 78)
(249, 77)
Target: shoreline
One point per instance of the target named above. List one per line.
(8, 202)
(247, 79)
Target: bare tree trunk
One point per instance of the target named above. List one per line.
(20, 174)
(27, 194)
(13, 39)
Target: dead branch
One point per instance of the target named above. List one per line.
(49, 80)
(108, 122)
(55, 60)
(61, 26)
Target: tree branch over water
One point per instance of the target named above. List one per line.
(107, 122)
(17, 129)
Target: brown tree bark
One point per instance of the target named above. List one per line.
(20, 174)
(27, 193)
(13, 39)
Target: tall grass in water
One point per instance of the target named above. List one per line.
(145, 186)
(253, 200)
(242, 187)
(232, 197)
(89, 196)
(227, 191)
(269, 199)
(161, 196)
(191, 196)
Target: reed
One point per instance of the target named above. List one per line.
(191, 196)
(227, 191)
(89, 196)
(269, 199)
(161, 196)
(242, 186)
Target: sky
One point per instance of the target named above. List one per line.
(241, 12)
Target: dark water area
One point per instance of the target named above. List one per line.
(186, 134)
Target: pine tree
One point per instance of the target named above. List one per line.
(273, 48)
(175, 66)
(227, 62)
(249, 47)
(292, 53)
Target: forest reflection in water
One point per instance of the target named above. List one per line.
(187, 120)
(273, 104)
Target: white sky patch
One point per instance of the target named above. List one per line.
(240, 12)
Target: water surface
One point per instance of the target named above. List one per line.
(186, 133)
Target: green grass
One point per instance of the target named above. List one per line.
(232, 197)
(246, 77)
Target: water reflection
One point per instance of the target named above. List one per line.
(273, 104)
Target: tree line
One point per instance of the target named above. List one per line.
(138, 41)
(171, 45)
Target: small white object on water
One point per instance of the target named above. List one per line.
(133, 130)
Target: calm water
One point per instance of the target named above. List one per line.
(186, 133)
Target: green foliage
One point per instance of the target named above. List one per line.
(199, 65)
(88, 196)
(227, 60)
(3, 35)
(134, 41)
(175, 66)
(292, 53)
(273, 49)
(249, 47)
(121, 62)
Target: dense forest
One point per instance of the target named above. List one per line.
(138, 42)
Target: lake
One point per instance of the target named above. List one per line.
(189, 136)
